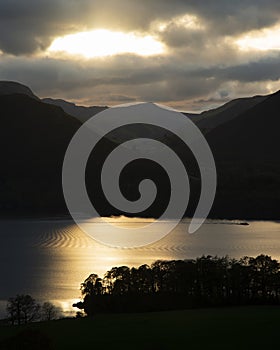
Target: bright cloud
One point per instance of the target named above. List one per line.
(101, 42)
(186, 21)
(263, 40)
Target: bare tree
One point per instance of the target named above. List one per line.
(50, 312)
(22, 309)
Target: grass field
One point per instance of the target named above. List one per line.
(224, 328)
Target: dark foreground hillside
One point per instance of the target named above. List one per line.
(223, 328)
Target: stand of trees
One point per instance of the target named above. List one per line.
(176, 284)
(23, 309)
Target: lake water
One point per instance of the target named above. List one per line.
(50, 258)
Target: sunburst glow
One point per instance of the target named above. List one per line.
(263, 40)
(101, 42)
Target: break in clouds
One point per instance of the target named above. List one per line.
(203, 64)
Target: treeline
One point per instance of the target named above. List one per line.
(178, 284)
(23, 309)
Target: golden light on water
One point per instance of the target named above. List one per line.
(102, 42)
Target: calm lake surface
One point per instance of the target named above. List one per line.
(50, 258)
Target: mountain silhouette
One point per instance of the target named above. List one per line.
(246, 151)
(13, 87)
(243, 135)
(252, 136)
(209, 120)
(33, 138)
(82, 113)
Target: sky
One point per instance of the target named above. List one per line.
(188, 54)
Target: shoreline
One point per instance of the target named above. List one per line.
(209, 220)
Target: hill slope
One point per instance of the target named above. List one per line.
(237, 327)
(33, 139)
(209, 120)
(13, 87)
(246, 150)
(82, 113)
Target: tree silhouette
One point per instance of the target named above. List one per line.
(175, 284)
(22, 309)
(92, 285)
(49, 311)
(264, 271)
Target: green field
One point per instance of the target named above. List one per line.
(224, 328)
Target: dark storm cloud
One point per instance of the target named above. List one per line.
(27, 26)
(255, 71)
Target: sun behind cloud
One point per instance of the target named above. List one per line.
(102, 42)
(263, 40)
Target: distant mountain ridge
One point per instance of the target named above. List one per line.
(209, 120)
(12, 87)
(82, 113)
(242, 134)
(206, 121)
(251, 135)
